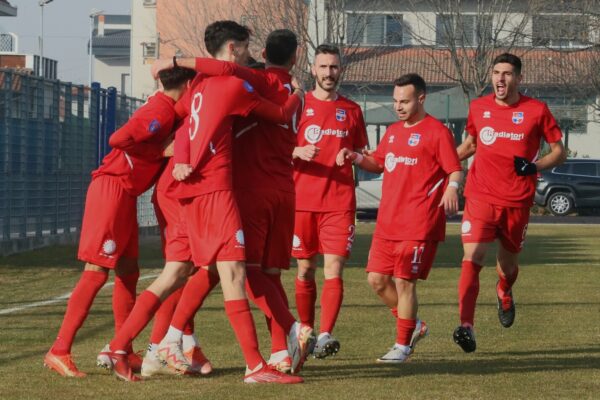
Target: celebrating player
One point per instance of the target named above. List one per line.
(421, 175)
(325, 198)
(505, 128)
(109, 231)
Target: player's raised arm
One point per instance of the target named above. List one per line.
(279, 114)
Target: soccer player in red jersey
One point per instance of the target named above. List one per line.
(505, 130)
(109, 231)
(210, 219)
(325, 198)
(421, 175)
(263, 172)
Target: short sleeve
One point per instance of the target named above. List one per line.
(549, 127)
(360, 139)
(242, 97)
(470, 127)
(447, 156)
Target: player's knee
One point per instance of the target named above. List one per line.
(378, 282)
(405, 285)
(306, 273)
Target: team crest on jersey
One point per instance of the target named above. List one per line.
(310, 112)
(340, 114)
(414, 139)
(517, 117)
(487, 114)
(154, 126)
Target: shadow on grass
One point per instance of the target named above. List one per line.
(508, 362)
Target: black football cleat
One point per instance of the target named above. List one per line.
(506, 315)
(465, 338)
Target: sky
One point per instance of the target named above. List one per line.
(66, 31)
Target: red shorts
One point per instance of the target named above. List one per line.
(268, 221)
(109, 230)
(323, 232)
(214, 228)
(405, 259)
(483, 222)
(169, 212)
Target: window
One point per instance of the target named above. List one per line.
(584, 169)
(560, 30)
(562, 169)
(374, 29)
(149, 49)
(463, 30)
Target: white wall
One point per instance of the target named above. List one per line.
(143, 29)
(110, 74)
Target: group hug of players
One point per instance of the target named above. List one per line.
(249, 171)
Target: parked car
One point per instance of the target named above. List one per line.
(368, 191)
(570, 186)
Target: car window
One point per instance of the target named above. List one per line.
(563, 169)
(584, 169)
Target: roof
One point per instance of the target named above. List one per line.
(7, 10)
(114, 42)
(544, 67)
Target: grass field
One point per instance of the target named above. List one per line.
(552, 351)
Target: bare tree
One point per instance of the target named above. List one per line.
(469, 34)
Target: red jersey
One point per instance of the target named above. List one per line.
(214, 103)
(321, 185)
(417, 161)
(503, 132)
(136, 158)
(262, 151)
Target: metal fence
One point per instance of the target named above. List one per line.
(52, 135)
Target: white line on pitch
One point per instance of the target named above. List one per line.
(59, 298)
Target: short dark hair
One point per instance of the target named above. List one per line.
(511, 59)
(328, 49)
(175, 77)
(412, 79)
(217, 33)
(281, 46)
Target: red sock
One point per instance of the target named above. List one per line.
(507, 281)
(394, 312)
(468, 290)
(197, 288)
(164, 315)
(331, 302)
(145, 306)
(306, 297)
(78, 308)
(265, 295)
(240, 318)
(404, 330)
(278, 335)
(124, 297)
(188, 329)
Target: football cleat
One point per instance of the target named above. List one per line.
(152, 365)
(64, 365)
(198, 361)
(281, 364)
(506, 307)
(397, 355)
(135, 362)
(420, 332)
(121, 368)
(326, 346)
(267, 374)
(300, 341)
(172, 354)
(103, 360)
(465, 338)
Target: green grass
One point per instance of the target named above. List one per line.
(552, 351)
